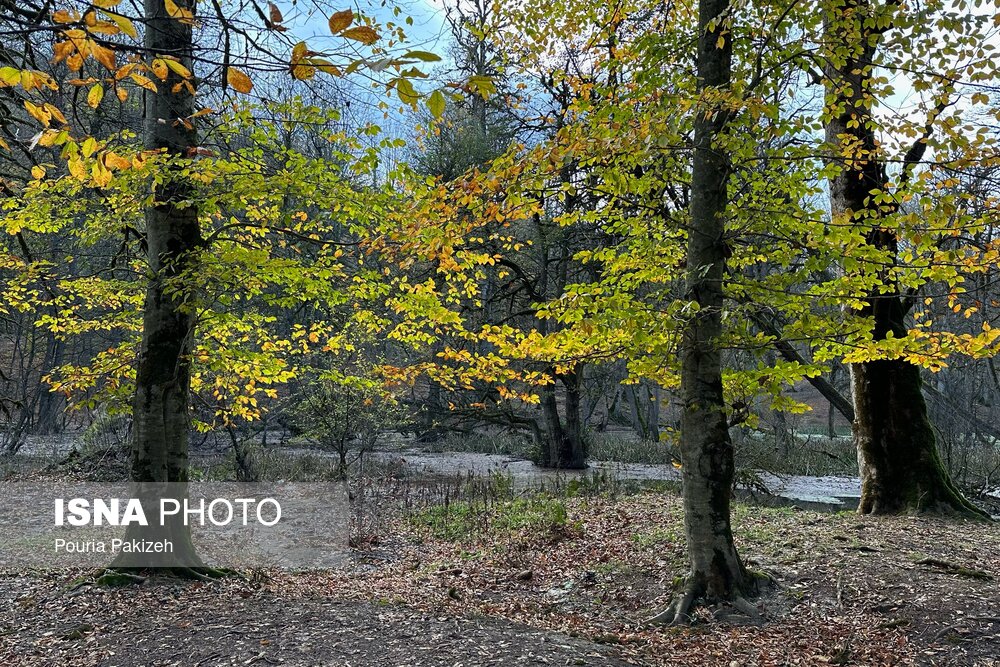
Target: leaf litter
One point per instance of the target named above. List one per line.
(569, 587)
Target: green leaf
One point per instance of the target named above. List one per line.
(425, 56)
(406, 93)
(483, 85)
(436, 103)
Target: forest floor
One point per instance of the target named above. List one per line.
(550, 581)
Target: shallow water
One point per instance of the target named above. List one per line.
(824, 492)
(828, 492)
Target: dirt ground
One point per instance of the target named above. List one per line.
(848, 591)
(187, 625)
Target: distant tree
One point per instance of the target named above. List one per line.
(343, 417)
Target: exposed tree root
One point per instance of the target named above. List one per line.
(117, 577)
(954, 568)
(680, 610)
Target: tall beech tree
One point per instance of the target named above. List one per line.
(160, 418)
(173, 234)
(181, 269)
(717, 572)
(901, 468)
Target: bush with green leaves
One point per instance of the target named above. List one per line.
(345, 418)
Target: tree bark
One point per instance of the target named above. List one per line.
(574, 451)
(160, 407)
(717, 572)
(900, 468)
(563, 446)
(160, 452)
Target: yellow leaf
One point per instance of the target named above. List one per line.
(106, 4)
(9, 76)
(303, 72)
(48, 138)
(38, 173)
(76, 168)
(341, 20)
(239, 81)
(361, 33)
(299, 52)
(100, 174)
(121, 93)
(436, 103)
(95, 96)
(182, 14)
(327, 66)
(88, 147)
(178, 69)
(55, 113)
(143, 82)
(125, 25)
(38, 113)
(407, 95)
(63, 16)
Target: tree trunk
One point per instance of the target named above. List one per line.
(717, 573)
(653, 412)
(563, 447)
(574, 451)
(160, 451)
(901, 470)
(51, 405)
(160, 408)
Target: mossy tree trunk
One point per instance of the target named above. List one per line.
(901, 470)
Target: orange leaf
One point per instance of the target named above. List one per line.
(361, 33)
(160, 69)
(63, 16)
(341, 20)
(239, 81)
(103, 55)
(39, 113)
(114, 161)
